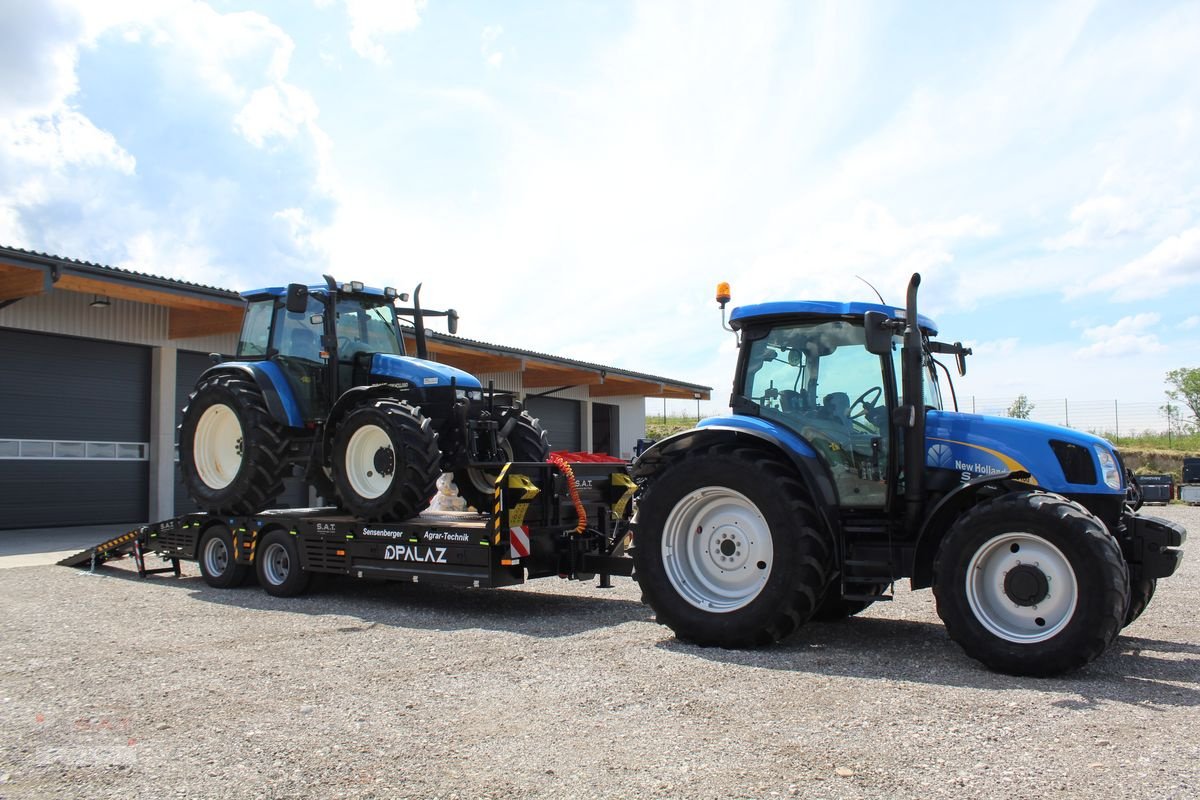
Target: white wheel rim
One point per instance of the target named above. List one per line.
(995, 608)
(362, 471)
(217, 446)
(277, 564)
(717, 549)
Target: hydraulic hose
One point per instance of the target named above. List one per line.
(573, 489)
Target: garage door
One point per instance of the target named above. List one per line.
(560, 420)
(74, 431)
(188, 369)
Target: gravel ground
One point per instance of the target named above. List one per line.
(111, 686)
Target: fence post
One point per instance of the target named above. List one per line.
(1117, 419)
(1067, 412)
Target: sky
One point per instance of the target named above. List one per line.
(575, 177)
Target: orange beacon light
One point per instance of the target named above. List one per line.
(723, 293)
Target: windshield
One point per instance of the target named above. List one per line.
(363, 328)
(819, 380)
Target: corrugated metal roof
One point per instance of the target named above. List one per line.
(47, 259)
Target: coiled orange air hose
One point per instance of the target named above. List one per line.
(573, 488)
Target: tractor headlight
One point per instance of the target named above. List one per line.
(463, 394)
(1108, 466)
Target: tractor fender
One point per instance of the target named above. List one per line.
(270, 379)
(950, 508)
(812, 471)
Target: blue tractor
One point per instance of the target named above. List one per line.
(840, 470)
(322, 384)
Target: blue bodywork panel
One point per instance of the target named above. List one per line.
(421, 374)
(763, 427)
(270, 377)
(743, 314)
(975, 445)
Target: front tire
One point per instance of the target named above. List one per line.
(728, 551)
(231, 450)
(385, 461)
(1141, 591)
(1031, 583)
(526, 442)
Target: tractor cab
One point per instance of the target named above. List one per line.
(306, 330)
(829, 372)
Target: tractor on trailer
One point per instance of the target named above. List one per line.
(321, 382)
(839, 471)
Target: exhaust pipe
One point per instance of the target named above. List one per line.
(914, 402)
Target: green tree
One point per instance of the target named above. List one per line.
(1185, 389)
(1021, 408)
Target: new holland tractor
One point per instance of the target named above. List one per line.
(321, 382)
(840, 471)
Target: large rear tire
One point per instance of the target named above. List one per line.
(231, 450)
(728, 550)
(525, 442)
(1031, 583)
(385, 461)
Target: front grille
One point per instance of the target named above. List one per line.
(1076, 462)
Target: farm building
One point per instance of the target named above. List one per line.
(97, 362)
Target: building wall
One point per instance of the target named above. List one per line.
(69, 314)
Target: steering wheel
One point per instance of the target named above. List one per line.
(867, 400)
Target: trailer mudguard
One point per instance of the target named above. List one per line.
(749, 431)
(274, 385)
(950, 508)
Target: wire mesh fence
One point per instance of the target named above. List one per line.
(1112, 418)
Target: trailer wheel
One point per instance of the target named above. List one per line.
(526, 442)
(1141, 591)
(231, 450)
(277, 562)
(216, 556)
(385, 460)
(729, 551)
(1031, 583)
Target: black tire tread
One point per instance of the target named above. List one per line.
(417, 464)
(260, 480)
(808, 577)
(1042, 661)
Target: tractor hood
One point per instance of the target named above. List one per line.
(421, 374)
(1059, 459)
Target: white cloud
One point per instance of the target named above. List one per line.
(1190, 323)
(372, 19)
(1127, 336)
(1097, 219)
(1171, 265)
(60, 139)
(275, 111)
(493, 56)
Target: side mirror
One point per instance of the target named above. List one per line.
(452, 321)
(297, 298)
(879, 333)
(960, 356)
(316, 319)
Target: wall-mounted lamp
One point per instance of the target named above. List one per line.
(99, 301)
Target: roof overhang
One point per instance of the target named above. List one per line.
(542, 374)
(193, 312)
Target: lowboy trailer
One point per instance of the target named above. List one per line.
(569, 521)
